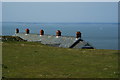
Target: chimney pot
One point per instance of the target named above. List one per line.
(78, 34)
(27, 31)
(58, 33)
(17, 30)
(41, 32)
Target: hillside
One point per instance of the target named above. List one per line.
(34, 60)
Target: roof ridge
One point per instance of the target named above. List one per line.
(76, 42)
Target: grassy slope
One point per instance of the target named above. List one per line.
(33, 60)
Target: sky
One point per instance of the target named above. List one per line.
(60, 0)
(66, 12)
(0, 18)
(0, 11)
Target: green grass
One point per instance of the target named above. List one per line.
(34, 60)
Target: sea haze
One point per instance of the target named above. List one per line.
(100, 35)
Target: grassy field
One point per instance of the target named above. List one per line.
(34, 60)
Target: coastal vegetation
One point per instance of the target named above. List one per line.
(22, 59)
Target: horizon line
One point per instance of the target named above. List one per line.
(57, 22)
(59, 0)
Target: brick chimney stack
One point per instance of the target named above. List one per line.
(58, 33)
(17, 30)
(41, 32)
(78, 34)
(27, 31)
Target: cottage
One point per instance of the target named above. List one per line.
(56, 40)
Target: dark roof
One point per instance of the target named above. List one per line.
(61, 41)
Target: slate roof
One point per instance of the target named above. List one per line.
(62, 41)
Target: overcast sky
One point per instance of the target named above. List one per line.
(106, 12)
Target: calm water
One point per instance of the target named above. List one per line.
(101, 36)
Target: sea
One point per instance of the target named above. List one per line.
(99, 35)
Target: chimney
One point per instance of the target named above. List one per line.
(27, 31)
(78, 34)
(17, 30)
(41, 32)
(58, 33)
